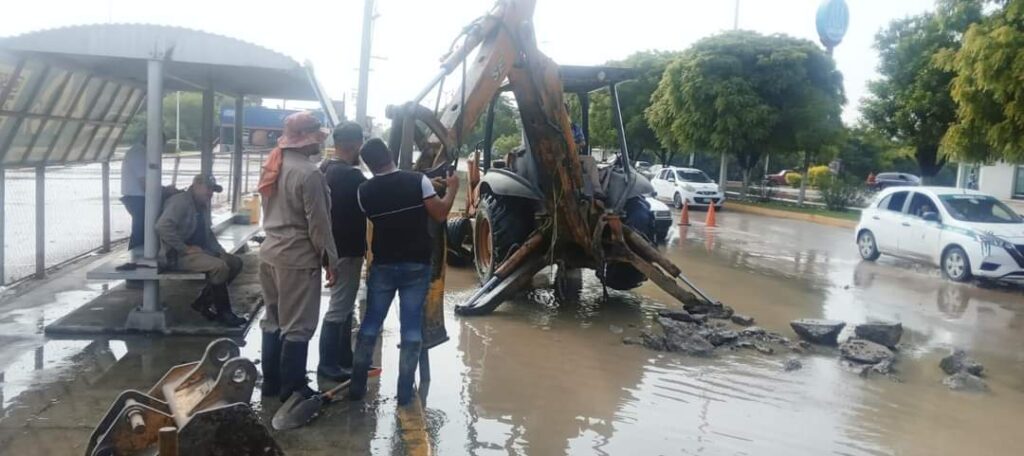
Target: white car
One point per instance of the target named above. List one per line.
(687, 185)
(965, 232)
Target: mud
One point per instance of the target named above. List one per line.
(544, 377)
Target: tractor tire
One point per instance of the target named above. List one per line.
(623, 276)
(502, 224)
(459, 236)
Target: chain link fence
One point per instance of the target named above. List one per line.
(74, 207)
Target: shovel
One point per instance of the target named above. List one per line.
(298, 411)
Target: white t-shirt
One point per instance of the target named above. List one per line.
(133, 171)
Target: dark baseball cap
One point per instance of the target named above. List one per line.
(208, 181)
(348, 132)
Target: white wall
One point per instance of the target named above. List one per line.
(997, 180)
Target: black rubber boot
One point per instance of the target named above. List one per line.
(345, 355)
(293, 370)
(204, 303)
(330, 353)
(222, 305)
(408, 358)
(361, 359)
(271, 364)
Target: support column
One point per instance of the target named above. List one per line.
(3, 224)
(236, 154)
(723, 172)
(149, 317)
(105, 170)
(40, 222)
(206, 135)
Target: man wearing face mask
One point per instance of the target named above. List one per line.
(187, 243)
(297, 223)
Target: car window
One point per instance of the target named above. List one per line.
(670, 176)
(894, 202)
(921, 203)
(979, 209)
(693, 176)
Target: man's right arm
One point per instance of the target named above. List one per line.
(167, 224)
(438, 208)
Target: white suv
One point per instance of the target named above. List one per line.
(964, 232)
(687, 185)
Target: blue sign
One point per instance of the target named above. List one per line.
(832, 21)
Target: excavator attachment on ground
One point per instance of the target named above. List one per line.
(548, 203)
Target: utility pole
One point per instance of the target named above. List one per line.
(364, 65)
(723, 170)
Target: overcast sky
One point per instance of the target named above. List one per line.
(410, 35)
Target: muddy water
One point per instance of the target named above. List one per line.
(542, 377)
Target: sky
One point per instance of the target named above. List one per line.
(411, 35)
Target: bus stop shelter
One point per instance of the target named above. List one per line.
(68, 94)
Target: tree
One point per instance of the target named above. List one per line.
(742, 93)
(506, 144)
(506, 123)
(988, 89)
(911, 103)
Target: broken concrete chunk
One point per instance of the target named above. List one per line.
(763, 348)
(792, 364)
(752, 331)
(883, 333)
(963, 381)
(884, 367)
(632, 341)
(742, 320)
(719, 338)
(860, 369)
(864, 351)
(653, 342)
(958, 361)
(691, 344)
(823, 332)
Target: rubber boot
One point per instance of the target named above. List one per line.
(408, 358)
(330, 353)
(293, 370)
(361, 359)
(204, 303)
(271, 364)
(345, 355)
(222, 305)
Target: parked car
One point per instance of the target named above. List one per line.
(966, 233)
(778, 178)
(662, 219)
(687, 185)
(886, 180)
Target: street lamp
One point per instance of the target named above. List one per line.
(832, 20)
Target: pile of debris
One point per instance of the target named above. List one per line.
(870, 350)
(964, 373)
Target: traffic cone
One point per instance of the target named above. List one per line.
(710, 221)
(684, 218)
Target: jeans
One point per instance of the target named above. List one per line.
(136, 206)
(411, 281)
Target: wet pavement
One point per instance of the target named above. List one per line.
(543, 377)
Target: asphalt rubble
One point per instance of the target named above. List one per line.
(702, 331)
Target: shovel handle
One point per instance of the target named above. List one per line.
(329, 394)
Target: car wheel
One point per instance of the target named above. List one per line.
(619, 275)
(956, 265)
(867, 247)
(677, 199)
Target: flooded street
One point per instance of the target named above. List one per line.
(542, 377)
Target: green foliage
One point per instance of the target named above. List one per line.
(744, 94)
(818, 175)
(505, 144)
(794, 179)
(506, 122)
(191, 117)
(988, 89)
(911, 103)
(839, 194)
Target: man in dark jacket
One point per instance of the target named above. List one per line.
(398, 203)
(187, 243)
(348, 224)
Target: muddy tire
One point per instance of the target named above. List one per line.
(677, 200)
(623, 276)
(956, 266)
(459, 237)
(867, 246)
(502, 224)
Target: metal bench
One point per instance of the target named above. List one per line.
(233, 237)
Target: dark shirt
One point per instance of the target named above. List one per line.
(348, 224)
(394, 203)
(198, 237)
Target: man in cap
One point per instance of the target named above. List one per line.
(399, 204)
(187, 243)
(348, 225)
(298, 243)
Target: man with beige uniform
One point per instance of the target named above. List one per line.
(298, 243)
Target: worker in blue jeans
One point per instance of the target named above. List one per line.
(399, 204)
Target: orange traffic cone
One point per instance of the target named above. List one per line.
(710, 221)
(684, 218)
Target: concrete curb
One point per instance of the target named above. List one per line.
(813, 218)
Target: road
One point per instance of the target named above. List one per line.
(543, 377)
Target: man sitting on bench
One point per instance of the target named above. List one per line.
(187, 243)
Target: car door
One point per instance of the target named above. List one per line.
(887, 221)
(657, 184)
(919, 238)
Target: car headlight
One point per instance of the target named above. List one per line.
(996, 241)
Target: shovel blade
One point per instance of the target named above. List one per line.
(296, 412)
